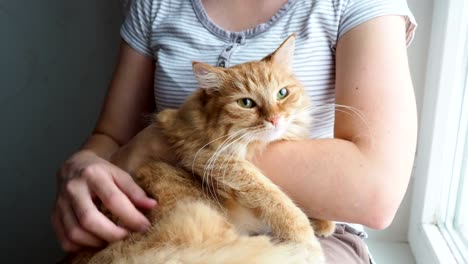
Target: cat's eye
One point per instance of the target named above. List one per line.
(282, 93)
(246, 103)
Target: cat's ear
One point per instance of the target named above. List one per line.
(208, 77)
(284, 54)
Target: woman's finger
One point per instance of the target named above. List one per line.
(89, 217)
(134, 192)
(73, 230)
(118, 203)
(65, 243)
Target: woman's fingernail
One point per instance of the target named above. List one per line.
(145, 228)
(152, 202)
(123, 233)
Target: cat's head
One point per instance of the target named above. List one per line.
(261, 100)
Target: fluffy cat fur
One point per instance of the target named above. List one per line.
(215, 206)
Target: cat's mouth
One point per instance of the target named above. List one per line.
(272, 132)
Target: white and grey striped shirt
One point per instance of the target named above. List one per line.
(177, 32)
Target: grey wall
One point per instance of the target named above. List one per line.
(56, 58)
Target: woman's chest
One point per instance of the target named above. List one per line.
(239, 15)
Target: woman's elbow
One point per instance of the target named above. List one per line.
(381, 210)
(379, 220)
(384, 192)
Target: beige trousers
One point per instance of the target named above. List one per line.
(344, 247)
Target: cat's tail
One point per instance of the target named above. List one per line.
(199, 234)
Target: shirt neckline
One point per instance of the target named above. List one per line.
(237, 36)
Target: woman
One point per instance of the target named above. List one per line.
(351, 52)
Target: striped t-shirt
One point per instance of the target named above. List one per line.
(177, 32)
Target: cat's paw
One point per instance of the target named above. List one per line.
(323, 228)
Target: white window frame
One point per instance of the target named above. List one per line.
(441, 110)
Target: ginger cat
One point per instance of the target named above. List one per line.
(215, 206)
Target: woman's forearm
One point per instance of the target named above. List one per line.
(332, 179)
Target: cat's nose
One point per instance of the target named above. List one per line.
(274, 119)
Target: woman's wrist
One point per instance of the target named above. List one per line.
(147, 145)
(101, 145)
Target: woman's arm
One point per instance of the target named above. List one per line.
(362, 174)
(88, 173)
(129, 98)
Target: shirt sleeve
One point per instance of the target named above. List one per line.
(356, 12)
(136, 29)
(125, 6)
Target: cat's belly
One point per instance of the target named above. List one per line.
(245, 219)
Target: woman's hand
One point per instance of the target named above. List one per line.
(76, 219)
(86, 177)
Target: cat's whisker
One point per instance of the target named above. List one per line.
(356, 112)
(336, 107)
(226, 147)
(212, 162)
(254, 135)
(205, 175)
(327, 120)
(228, 157)
(251, 135)
(212, 141)
(315, 119)
(226, 144)
(345, 109)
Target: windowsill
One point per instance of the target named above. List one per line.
(385, 252)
